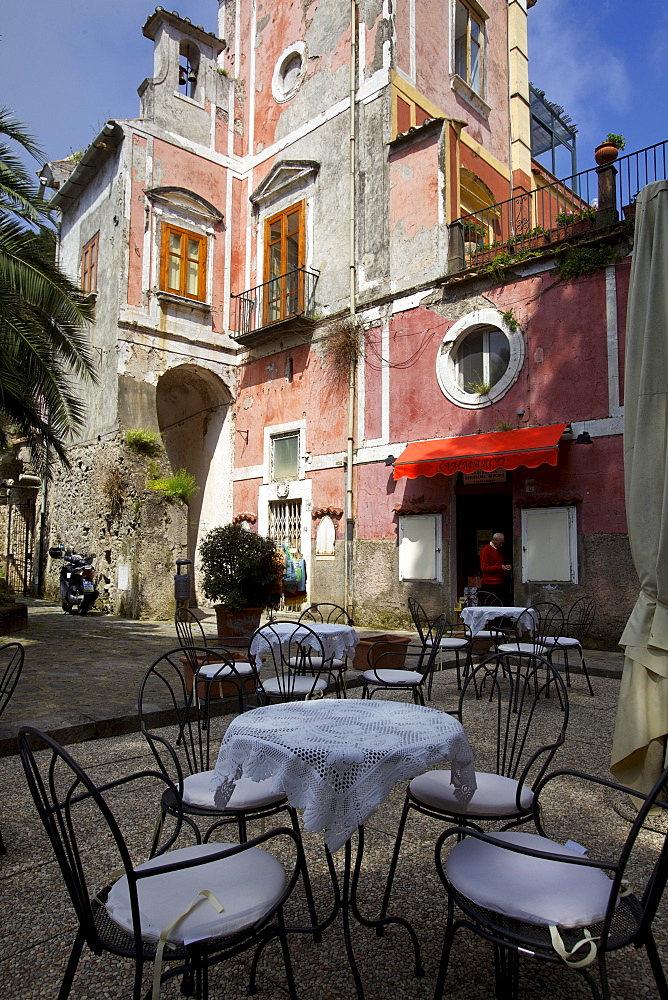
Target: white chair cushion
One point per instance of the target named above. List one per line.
(535, 648)
(316, 661)
(247, 794)
(494, 796)
(450, 642)
(390, 677)
(531, 889)
(565, 641)
(247, 885)
(485, 634)
(297, 685)
(221, 670)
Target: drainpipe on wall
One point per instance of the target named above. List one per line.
(348, 566)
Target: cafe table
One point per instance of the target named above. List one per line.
(338, 641)
(477, 617)
(338, 760)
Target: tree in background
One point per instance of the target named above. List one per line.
(44, 319)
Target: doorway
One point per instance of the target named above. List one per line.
(479, 516)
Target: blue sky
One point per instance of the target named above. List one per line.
(66, 66)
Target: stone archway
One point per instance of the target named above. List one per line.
(193, 408)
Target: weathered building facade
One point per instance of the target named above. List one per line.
(284, 292)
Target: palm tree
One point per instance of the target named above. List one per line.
(44, 320)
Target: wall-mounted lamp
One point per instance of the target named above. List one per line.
(390, 460)
(584, 438)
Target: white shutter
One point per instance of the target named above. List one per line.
(419, 547)
(549, 545)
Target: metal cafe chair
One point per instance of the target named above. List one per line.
(455, 639)
(529, 894)
(294, 659)
(182, 910)
(516, 727)
(330, 614)
(188, 761)
(579, 620)
(382, 677)
(12, 655)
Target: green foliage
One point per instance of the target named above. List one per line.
(615, 140)
(478, 385)
(504, 425)
(581, 215)
(581, 260)
(43, 317)
(509, 319)
(180, 486)
(497, 267)
(143, 442)
(240, 569)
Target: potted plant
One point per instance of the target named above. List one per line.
(608, 150)
(242, 573)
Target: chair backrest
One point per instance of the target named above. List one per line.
(290, 650)
(549, 620)
(515, 711)
(189, 633)
(424, 625)
(580, 618)
(75, 811)
(487, 600)
(11, 665)
(167, 698)
(419, 657)
(332, 614)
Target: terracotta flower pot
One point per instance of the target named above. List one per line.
(242, 622)
(606, 153)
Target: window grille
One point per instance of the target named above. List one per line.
(285, 523)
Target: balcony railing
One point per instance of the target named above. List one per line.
(285, 297)
(589, 200)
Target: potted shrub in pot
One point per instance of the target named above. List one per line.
(608, 150)
(242, 573)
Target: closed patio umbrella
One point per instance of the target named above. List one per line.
(639, 744)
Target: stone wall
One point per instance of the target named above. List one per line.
(101, 505)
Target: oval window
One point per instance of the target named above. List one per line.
(480, 358)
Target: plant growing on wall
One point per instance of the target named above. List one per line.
(114, 488)
(478, 385)
(343, 346)
(143, 442)
(179, 486)
(240, 569)
(578, 261)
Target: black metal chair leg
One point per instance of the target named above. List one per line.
(394, 861)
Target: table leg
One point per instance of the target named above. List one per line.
(346, 898)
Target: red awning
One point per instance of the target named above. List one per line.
(529, 446)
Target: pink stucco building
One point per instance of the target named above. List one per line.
(286, 291)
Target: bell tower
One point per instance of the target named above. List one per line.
(186, 85)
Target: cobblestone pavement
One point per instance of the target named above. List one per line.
(81, 675)
(36, 920)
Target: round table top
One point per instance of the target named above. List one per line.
(338, 759)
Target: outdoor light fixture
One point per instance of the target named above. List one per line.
(389, 460)
(584, 438)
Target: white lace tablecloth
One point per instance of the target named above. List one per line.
(338, 641)
(477, 618)
(338, 760)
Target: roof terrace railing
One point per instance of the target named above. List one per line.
(284, 297)
(585, 201)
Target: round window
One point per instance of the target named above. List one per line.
(289, 72)
(480, 358)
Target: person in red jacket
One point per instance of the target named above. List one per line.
(494, 568)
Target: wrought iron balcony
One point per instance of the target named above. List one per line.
(556, 212)
(286, 298)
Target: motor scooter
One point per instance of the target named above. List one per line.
(77, 580)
